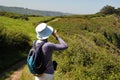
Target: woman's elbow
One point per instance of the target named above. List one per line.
(65, 46)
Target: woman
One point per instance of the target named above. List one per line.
(43, 32)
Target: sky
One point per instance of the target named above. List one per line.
(66, 6)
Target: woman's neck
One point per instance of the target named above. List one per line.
(43, 40)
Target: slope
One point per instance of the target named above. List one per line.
(93, 52)
(16, 36)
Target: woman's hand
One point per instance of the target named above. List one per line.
(55, 34)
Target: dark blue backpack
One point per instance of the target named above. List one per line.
(35, 59)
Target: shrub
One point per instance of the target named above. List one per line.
(13, 39)
(90, 52)
(17, 40)
(113, 38)
(107, 10)
(2, 36)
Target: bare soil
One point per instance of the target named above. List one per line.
(16, 69)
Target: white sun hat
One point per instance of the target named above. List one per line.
(43, 31)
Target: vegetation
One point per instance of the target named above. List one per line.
(108, 10)
(14, 16)
(27, 11)
(16, 36)
(93, 52)
(93, 40)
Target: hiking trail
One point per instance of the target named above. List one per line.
(18, 67)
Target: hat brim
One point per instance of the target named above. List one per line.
(45, 33)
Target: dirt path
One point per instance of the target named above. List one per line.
(16, 75)
(17, 68)
(17, 71)
(54, 20)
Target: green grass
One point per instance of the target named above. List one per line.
(26, 74)
(16, 36)
(93, 49)
(93, 41)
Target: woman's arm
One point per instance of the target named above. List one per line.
(62, 44)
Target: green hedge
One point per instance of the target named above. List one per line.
(13, 46)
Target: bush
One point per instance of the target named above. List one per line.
(14, 15)
(13, 47)
(17, 40)
(91, 54)
(113, 38)
(2, 36)
(13, 39)
(107, 10)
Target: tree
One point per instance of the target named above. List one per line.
(107, 10)
(118, 11)
(117, 15)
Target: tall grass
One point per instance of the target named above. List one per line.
(16, 36)
(91, 54)
(12, 45)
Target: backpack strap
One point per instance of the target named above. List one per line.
(40, 44)
(34, 43)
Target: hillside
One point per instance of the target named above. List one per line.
(27, 11)
(94, 48)
(16, 35)
(94, 45)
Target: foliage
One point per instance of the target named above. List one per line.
(93, 40)
(16, 37)
(14, 16)
(107, 10)
(11, 43)
(93, 52)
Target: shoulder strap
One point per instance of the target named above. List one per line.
(34, 42)
(41, 44)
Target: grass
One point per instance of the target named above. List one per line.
(93, 41)
(91, 54)
(28, 76)
(16, 36)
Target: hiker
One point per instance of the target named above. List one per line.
(43, 32)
